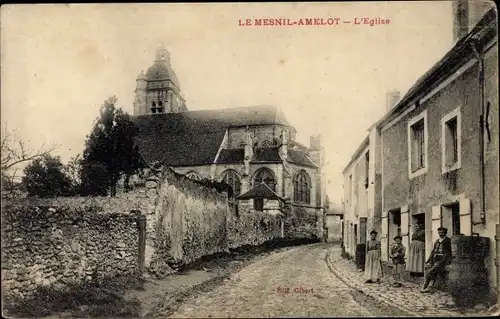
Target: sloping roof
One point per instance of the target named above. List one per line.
(266, 154)
(231, 156)
(299, 157)
(484, 31)
(193, 138)
(160, 71)
(218, 119)
(188, 149)
(260, 191)
(300, 146)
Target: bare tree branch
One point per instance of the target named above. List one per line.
(15, 151)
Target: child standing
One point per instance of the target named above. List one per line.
(398, 251)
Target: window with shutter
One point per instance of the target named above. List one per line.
(417, 145)
(451, 141)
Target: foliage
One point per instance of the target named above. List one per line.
(44, 177)
(72, 170)
(110, 151)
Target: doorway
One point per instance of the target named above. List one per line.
(362, 229)
(418, 219)
(455, 219)
(355, 234)
(394, 224)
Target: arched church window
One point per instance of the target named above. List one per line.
(302, 187)
(267, 143)
(194, 176)
(265, 176)
(232, 179)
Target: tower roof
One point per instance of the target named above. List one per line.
(141, 76)
(161, 70)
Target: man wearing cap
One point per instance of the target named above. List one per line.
(439, 258)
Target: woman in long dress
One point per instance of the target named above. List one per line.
(416, 256)
(373, 265)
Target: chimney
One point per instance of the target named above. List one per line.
(466, 14)
(283, 149)
(392, 97)
(315, 150)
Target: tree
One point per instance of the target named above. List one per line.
(110, 151)
(44, 177)
(14, 153)
(72, 170)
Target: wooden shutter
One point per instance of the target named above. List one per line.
(465, 217)
(405, 228)
(435, 224)
(413, 150)
(384, 237)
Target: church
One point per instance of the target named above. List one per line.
(252, 149)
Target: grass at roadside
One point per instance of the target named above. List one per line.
(102, 298)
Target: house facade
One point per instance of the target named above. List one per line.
(440, 148)
(333, 224)
(433, 158)
(243, 147)
(362, 192)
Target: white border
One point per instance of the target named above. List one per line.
(411, 122)
(456, 113)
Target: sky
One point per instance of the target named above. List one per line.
(60, 62)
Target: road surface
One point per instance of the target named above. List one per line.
(296, 282)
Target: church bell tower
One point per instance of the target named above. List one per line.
(158, 91)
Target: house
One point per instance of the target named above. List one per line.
(362, 191)
(334, 215)
(440, 147)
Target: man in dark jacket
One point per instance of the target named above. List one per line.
(439, 258)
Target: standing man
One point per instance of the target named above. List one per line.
(439, 258)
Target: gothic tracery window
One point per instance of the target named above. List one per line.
(302, 187)
(267, 143)
(265, 176)
(233, 180)
(193, 176)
